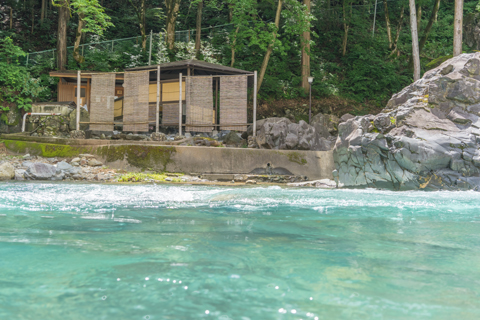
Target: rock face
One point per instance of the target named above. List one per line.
(428, 136)
(281, 133)
(7, 171)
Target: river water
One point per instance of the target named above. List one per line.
(97, 251)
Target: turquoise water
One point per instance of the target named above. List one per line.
(92, 251)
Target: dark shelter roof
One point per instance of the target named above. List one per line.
(168, 71)
(199, 67)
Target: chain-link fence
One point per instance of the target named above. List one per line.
(155, 44)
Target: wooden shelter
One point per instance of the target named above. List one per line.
(191, 93)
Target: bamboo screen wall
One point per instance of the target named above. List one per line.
(170, 114)
(135, 104)
(102, 101)
(233, 102)
(199, 96)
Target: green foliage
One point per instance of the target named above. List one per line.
(368, 73)
(93, 14)
(16, 84)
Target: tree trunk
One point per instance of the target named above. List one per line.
(11, 18)
(387, 24)
(172, 7)
(140, 11)
(234, 43)
(415, 53)
(457, 28)
(345, 27)
(33, 17)
(270, 46)
(419, 19)
(76, 54)
(399, 29)
(198, 32)
(143, 25)
(43, 10)
(306, 53)
(63, 15)
(428, 28)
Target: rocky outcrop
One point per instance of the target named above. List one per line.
(428, 136)
(282, 134)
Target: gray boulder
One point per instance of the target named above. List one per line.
(40, 171)
(7, 171)
(346, 117)
(282, 134)
(94, 163)
(63, 166)
(232, 138)
(325, 124)
(428, 136)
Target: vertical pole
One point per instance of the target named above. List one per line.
(180, 103)
(79, 84)
(255, 103)
(310, 106)
(157, 115)
(150, 51)
(216, 103)
(112, 45)
(83, 47)
(27, 60)
(374, 20)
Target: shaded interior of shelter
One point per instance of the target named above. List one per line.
(227, 102)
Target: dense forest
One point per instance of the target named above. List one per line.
(359, 52)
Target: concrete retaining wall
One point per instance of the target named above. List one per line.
(136, 156)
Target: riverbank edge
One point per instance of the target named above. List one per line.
(215, 166)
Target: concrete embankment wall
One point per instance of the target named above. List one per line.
(158, 156)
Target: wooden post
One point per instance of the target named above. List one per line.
(87, 94)
(255, 103)
(157, 115)
(216, 102)
(79, 85)
(457, 28)
(180, 103)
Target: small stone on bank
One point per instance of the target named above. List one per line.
(94, 163)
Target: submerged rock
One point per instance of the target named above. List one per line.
(428, 136)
